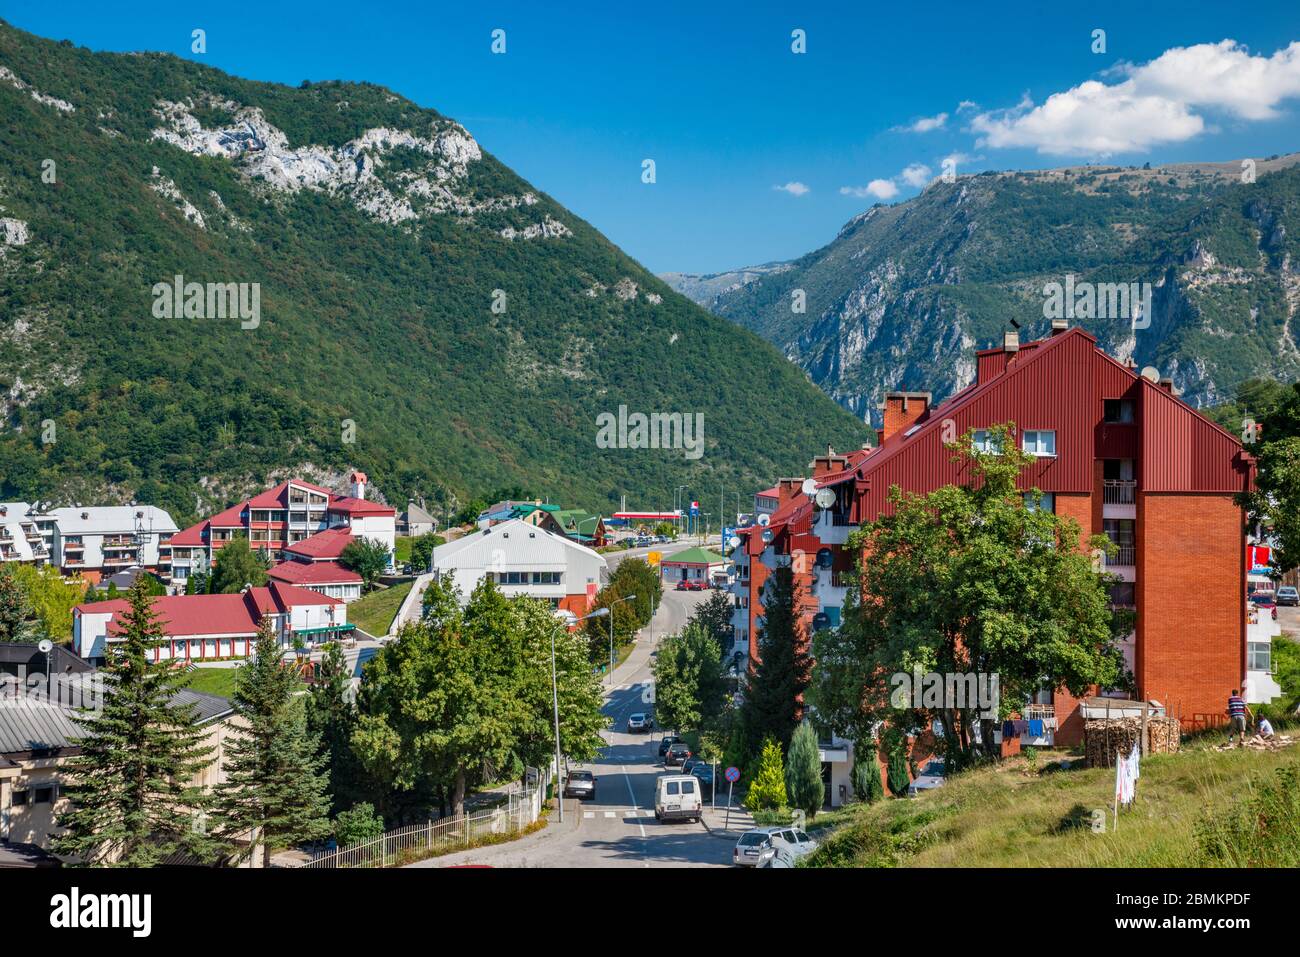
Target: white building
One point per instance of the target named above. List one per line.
(96, 541)
(21, 537)
(1261, 629)
(523, 559)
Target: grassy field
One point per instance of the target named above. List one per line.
(402, 549)
(374, 612)
(218, 681)
(1015, 816)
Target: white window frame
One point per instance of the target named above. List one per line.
(1037, 433)
(981, 441)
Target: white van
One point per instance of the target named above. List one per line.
(677, 796)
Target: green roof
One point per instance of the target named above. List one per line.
(693, 556)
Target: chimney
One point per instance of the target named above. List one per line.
(1011, 341)
(1059, 326)
(1168, 385)
(787, 489)
(358, 481)
(901, 411)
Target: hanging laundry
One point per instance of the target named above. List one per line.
(1035, 727)
(1008, 729)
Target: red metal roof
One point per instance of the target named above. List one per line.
(328, 544)
(359, 506)
(192, 535)
(314, 573)
(184, 616)
(278, 497)
(232, 517)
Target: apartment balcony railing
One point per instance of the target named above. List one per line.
(123, 541)
(841, 519)
(1125, 557)
(1118, 491)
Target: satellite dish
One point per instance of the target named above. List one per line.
(734, 541)
(824, 498)
(809, 486)
(764, 519)
(1151, 374)
(46, 646)
(767, 535)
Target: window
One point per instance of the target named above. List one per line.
(19, 798)
(1045, 502)
(1123, 595)
(984, 442)
(672, 788)
(688, 787)
(1259, 656)
(43, 795)
(1118, 410)
(1038, 442)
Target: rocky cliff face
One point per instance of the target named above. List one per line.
(904, 294)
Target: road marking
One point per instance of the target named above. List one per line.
(588, 814)
(632, 795)
(610, 814)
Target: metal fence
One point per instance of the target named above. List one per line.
(415, 842)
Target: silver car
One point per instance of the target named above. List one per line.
(580, 785)
(760, 846)
(639, 722)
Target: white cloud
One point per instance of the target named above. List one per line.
(916, 174)
(925, 124)
(967, 106)
(1157, 102)
(794, 188)
(877, 188)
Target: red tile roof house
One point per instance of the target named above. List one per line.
(1120, 454)
(296, 521)
(210, 627)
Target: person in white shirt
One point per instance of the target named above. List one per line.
(1265, 729)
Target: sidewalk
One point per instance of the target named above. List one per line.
(715, 821)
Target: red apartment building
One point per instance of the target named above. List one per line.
(295, 521)
(1120, 454)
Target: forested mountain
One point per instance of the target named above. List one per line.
(380, 237)
(902, 297)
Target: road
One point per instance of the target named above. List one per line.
(618, 828)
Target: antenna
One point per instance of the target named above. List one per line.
(1151, 374)
(825, 498)
(809, 486)
(764, 519)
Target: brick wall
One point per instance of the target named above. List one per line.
(1191, 631)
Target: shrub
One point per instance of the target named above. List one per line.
(357, 825)
(767, 792)
(803, 773)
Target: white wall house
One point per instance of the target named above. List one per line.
(97, 541)
(523, 559)
(21, 539)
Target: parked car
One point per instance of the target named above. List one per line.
(643, 542)
(929, 778)
(639, 722)
(757, 847)
(690, 763)
(683, 585)
(581, 785)
(666, 742)
(677, 796)
(704, 774)
(661, 539)
(1264, 600)
(1288, 595)
(676, 755)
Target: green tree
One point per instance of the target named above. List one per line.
(714, 616)
(896, 770)
(331, 719)
(773, 705)
(634, 576)
(689, 688)
(52, 599)
(237, 566)
(422, 550)
(367, 557)
(973, 580)
(357, 825)
(132, 800)
(803, 771)
(16, 612)
(275, 793)
(767, 790)
(867, 786)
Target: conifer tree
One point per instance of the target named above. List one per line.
(774, 705)
(867, 786)
(767, 790)
(132, 800)
(803, 771)
(275, 792)
(331, 719)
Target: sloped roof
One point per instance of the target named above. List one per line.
(307, 574)
(693, 556)
(521, 543)
(347, 505)
(101, 519)
(328, 544)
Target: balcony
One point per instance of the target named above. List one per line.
(1118, 492)
(832, 527)
(1125, 557)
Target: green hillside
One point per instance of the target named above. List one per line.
(377, 281)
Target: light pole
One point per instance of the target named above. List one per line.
(555, 704)
(609, 610)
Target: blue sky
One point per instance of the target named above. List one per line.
(713, 93)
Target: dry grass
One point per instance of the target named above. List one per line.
(1007, 816)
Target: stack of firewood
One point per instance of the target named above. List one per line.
(1103, 739)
